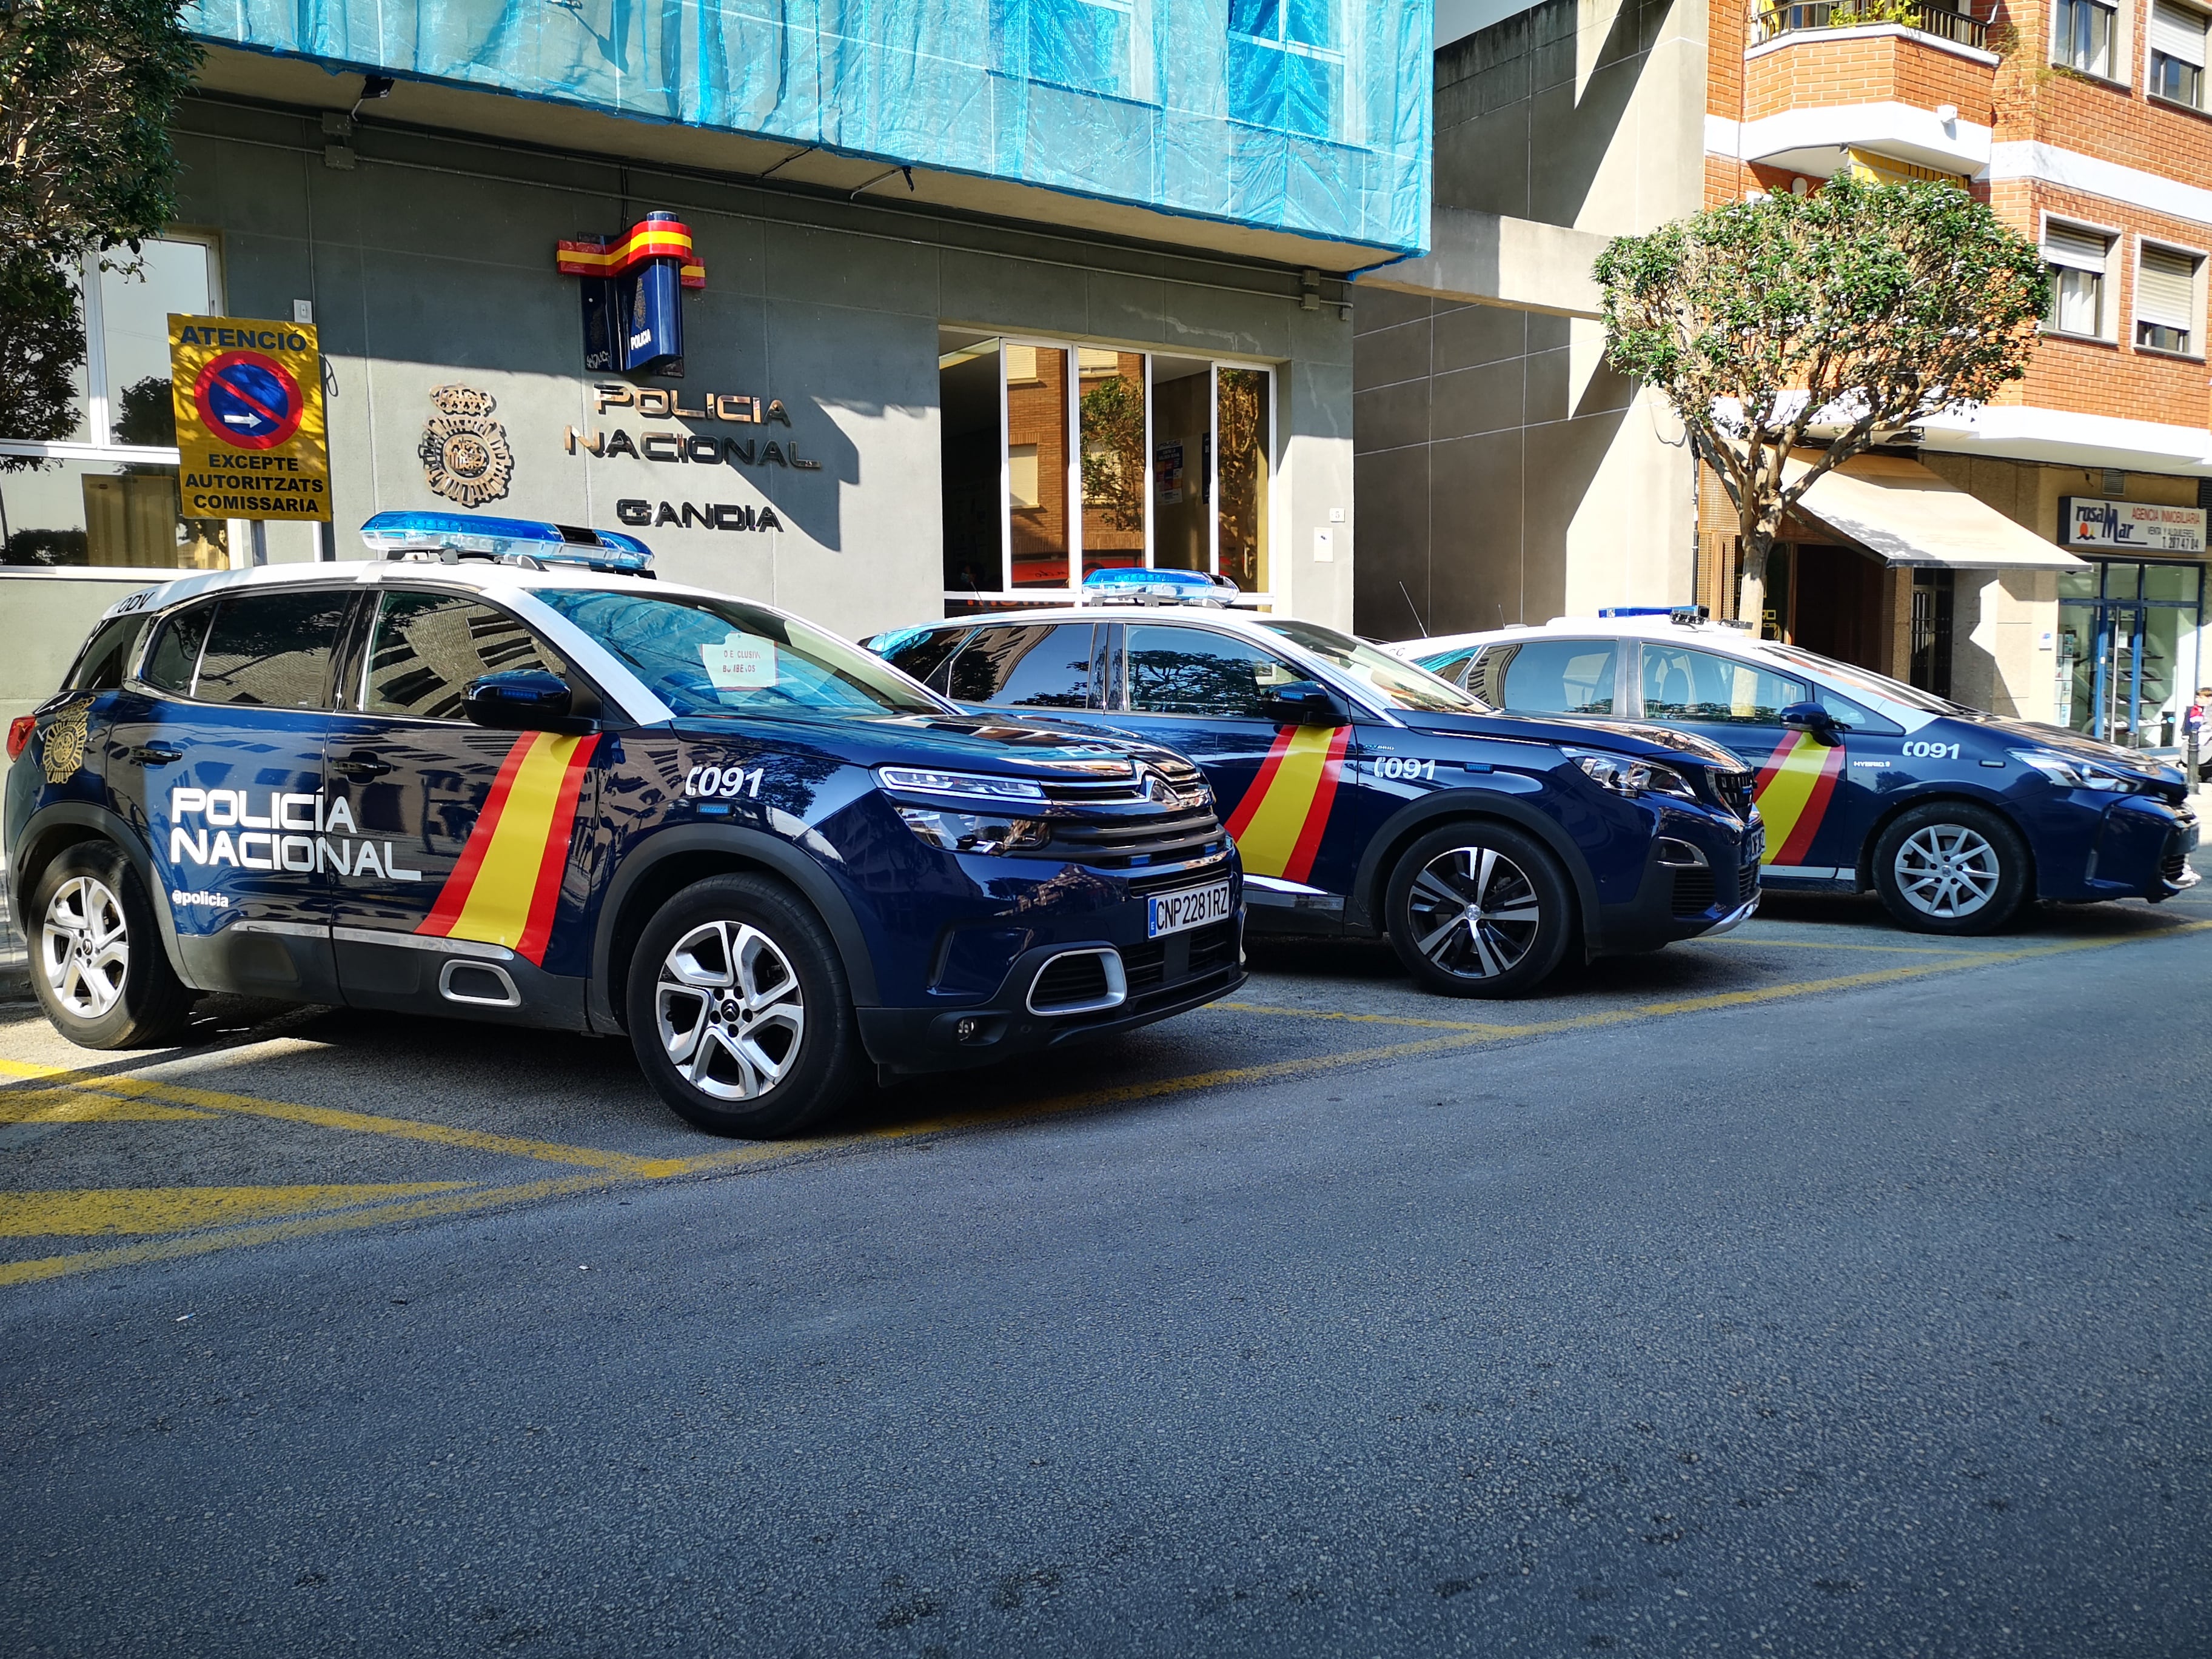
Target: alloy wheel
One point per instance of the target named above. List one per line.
(1947, 870)
(729, 1009)
(1474, 911)
(84, 947)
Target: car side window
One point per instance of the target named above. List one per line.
(1550, 677)
(271, 650)
(101, 665)
(1452, 667)
(921, 652)
(1855, 717)
(1028, 666)
(175, 657)
(425, 648)
(1195, 670)
(1682, 684)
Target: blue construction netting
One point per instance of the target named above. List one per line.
(1309, 116)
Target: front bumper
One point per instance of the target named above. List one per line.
(1158, 978)
(1702, 876)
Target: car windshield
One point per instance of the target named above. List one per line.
(1395, 681)
(1865, 680)
(703, 656)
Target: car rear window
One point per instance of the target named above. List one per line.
(175, 657)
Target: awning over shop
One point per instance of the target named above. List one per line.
(1901, 513)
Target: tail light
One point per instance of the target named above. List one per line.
(19, 733)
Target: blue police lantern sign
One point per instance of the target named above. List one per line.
(633, 294)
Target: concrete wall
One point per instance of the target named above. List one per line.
(45, 616)
(430, 262)
(1504, 471)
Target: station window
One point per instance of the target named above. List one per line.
(1060, 461)
(2177, 54)
(1287, 66)
(100, 488)
(2076, 257)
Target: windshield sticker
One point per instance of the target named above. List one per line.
(740, 662)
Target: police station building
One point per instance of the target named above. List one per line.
(875, 312)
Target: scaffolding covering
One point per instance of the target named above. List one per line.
(1304, 116)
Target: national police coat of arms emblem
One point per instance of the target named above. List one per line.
(63, 754)
(464, 454)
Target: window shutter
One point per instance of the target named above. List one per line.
(2177, 32)
(2166, 289)
(2082, 250)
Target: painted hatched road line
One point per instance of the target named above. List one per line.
(175, 1209)
(766, 1155)
(330, 1117)
(77, 1106)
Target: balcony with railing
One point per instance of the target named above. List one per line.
(1960, 28)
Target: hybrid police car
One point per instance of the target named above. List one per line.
(1369, 796)
(1954, 817)
(497, 774)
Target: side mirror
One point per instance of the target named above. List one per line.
(521, 700)
(1814, 721)
(1302, 702)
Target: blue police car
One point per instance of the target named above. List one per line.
(496, 774)
(1955, 817)
(1369, 796)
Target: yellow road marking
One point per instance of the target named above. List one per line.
(327, 1117)
(770, 1155)
(1362, 1019)
(173, 1209)
(1823, 944)
(75, 1106)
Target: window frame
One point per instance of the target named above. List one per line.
(2119, 52)
(1091, 689)
(2199, 262)
(2151, 54)
(357, 643)
(1703, 649)
(1345, 124)
(1117, 673)
(2108, 309)
(1622, 658)
(333, 689)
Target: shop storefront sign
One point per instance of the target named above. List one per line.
(2100, 526)
(251, 442)
(464, 453)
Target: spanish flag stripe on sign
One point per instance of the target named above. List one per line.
(1278, 823)
(1793, 789)
(504, 889)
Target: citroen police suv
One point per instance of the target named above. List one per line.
(1956, 817)
(498, 775)
(1366, 795)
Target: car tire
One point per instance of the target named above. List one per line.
(739, 1013)
(98, 965)
(1514, 918)
(1951, 868)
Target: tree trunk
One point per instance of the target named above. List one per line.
(1751, 548)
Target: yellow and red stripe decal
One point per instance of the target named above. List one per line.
(507, 883)
(1793, 791)
(1279, 824)
(649, 239)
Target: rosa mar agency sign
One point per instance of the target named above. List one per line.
(2137, 526)
(251, 442)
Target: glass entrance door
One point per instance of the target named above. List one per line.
(2128, 652)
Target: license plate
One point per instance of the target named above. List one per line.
(1194, 906)
(1754, 844)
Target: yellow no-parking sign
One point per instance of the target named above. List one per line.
(250, 435)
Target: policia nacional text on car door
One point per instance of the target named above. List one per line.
(1369, 796)
(543, 793)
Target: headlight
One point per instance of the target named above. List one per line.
(969, 786)
(974, 832)
(1626, 776)
(2069, 773)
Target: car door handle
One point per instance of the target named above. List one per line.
(154, 754)
(360, 767)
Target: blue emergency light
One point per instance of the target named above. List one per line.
(1680, 613)
(1133, 587)
(451, 538)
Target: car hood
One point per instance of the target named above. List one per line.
(2032, 734)
(975, 743)
(1621, 736)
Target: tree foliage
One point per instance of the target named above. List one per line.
(1820, 322)
(88, 89)
(1114, 475)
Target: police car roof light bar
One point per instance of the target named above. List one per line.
(532, 543)
(1686, 615)
(1137, 586)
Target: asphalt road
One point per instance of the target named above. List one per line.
(1810, 1292)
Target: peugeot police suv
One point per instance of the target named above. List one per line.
(1367, 796)
(497, 774)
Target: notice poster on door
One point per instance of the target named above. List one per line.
(1167, 470)
(739, 662)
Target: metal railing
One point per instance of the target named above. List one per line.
(1941, 22)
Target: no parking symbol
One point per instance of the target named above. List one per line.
(249, 402)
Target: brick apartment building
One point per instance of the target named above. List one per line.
(2087, 126)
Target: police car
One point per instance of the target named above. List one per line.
(1369, 796)
(1954, 817)
(496, 774)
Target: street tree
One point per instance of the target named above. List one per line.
(88, 89)
(1822, 322)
